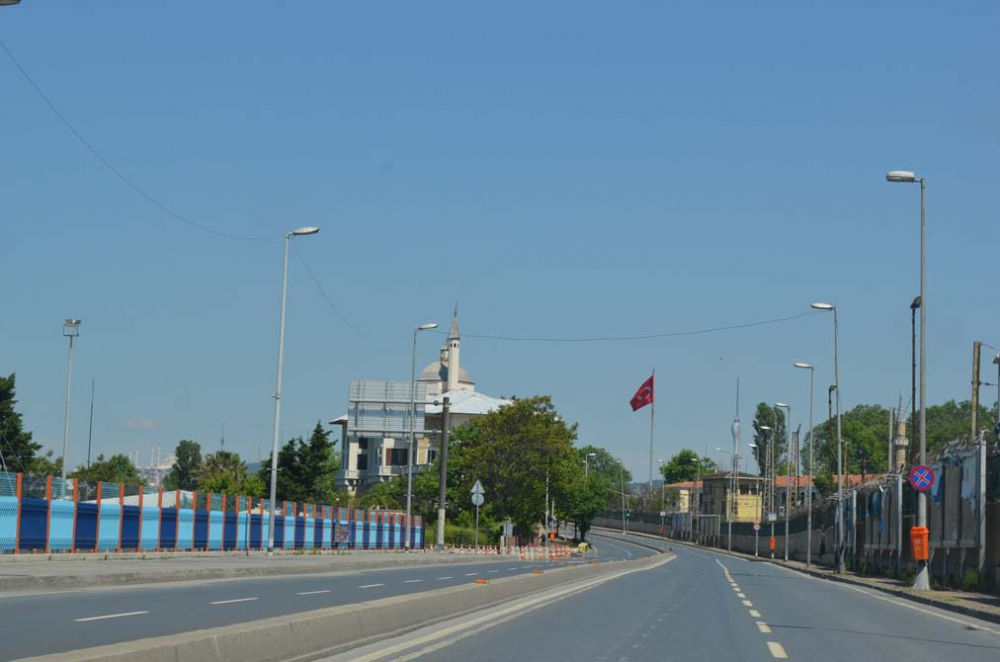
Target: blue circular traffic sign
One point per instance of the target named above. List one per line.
(921, 477)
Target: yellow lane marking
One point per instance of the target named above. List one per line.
(755, 613)
(747, 603)
(763, 627)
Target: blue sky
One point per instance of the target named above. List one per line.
(563, 169)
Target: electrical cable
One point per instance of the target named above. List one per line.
(649, 336)
(118, 173)
(326, 297)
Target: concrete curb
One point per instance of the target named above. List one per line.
(930, 601)
(181, 574)
(314, 634)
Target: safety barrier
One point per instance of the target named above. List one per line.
(46, 515)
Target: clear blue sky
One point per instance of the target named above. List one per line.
(559, 168)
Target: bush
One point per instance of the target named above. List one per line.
(971, 580)
(466, 535)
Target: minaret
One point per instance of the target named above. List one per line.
(454, 347)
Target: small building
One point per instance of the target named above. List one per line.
(719, 497)
(375, 439)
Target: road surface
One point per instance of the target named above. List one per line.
(705, 606)
(59, 621)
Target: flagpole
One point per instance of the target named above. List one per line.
(652, 413)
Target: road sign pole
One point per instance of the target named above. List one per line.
(477, 529)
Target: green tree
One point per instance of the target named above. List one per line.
(16, 444)
(953, 420)
(766, 417)
(684, 466)
(581, 496)
(513, 450)
(305, 471)
(186, 464)
(224, 472)
(865, 433)
(603, 464)
(116, 469)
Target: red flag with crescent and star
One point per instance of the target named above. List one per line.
(644, 396)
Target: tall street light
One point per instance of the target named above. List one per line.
(71, 329)
(277, 389)
(922, 580)
(586, 464)
(840, 443)
(788, 470)
(769, 434)
(413, 415)
(809, 486)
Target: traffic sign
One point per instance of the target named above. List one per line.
(772, 517)
(756, 526)
(478, 488)
(921, 477)
(477, 499)
(663, 513)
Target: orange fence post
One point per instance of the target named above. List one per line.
(48, 519)
(177, 520)
(159, 529)
(121, 513)
(138, 542)
(97, 529)
(76, 507)
(17, 531)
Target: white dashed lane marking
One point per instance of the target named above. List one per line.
(763, 627)
(313, 592)
(106, 616)
(371, 585)
(229, 602)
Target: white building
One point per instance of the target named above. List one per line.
(375, 430)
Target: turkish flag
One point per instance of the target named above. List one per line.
(644, 396)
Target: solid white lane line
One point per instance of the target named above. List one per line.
(747, 603)
(326, 590)
(755, 613)
(441, 579)
(371, 585)
(101, 618)
(777, 650)
(412, 581)
(904, 603)
(763, 627)
(229, 602)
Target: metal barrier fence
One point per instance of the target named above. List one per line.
(44, 514)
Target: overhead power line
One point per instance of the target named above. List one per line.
(648, 336)
(329, 301)
(115, 171)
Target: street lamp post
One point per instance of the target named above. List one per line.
(277, 389)
(840, 442)
(413, 415)
(768, 502)
(788, 470)
(809, 487)
(663, 499)
(586, 464)
(922, 580)
(71, 329)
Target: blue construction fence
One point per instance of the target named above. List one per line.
(45, 514)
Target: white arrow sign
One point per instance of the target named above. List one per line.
(478, 488)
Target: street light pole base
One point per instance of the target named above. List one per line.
(922, 582)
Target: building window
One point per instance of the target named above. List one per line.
(397, 457)
(363, 462)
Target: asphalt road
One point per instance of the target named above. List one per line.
(59, 621)
(707, 606)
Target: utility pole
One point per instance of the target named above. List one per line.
(976, 347)
(443, 477)
(90, 434)
(622, 468)
(71, 329)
